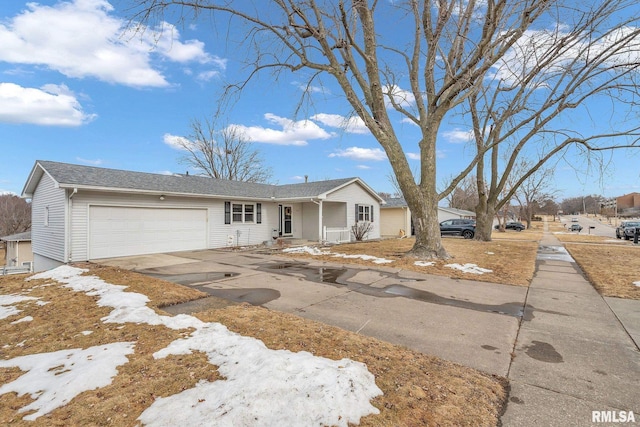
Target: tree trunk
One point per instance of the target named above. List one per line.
(484, 220)
(428, 243)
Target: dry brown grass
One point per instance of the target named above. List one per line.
(512, 261)
(611, 268)
(418, 390)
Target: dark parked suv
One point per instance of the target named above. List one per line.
(458, 227)
(627, 229)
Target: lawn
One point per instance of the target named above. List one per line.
(510, 258)
(417, 389)
(613, 269)
(612, 266)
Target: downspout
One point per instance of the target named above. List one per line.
(69, 224)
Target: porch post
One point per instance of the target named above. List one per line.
(320, 233)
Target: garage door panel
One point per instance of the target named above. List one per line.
(124, 231)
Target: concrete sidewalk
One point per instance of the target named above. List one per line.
(574, 353)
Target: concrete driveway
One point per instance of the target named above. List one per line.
(465, 321)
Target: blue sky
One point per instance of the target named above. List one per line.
(74, 88)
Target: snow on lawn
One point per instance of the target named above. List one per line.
(53, 379)
(315, 251)
(469, 268)
(262, 386)
(7, 304)
(424, 263)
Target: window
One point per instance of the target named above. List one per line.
(237, 212)
(227, 212)
(242, 213)
(248, 213)
(364, 213)
(46, 216)
(259, 213)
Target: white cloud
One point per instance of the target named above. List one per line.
(353, 124)
(457, 135)
(176, 142)
(522, 57)
(51, 105)
(408, 121)
(359, 153)
(402, 97)
(363, 167)
(96, 162)
(291, 132)
(81, 38)
(311, 88)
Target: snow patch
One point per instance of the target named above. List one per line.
(424, 263)
(53, 379)
(637, 283)
(469, 268)
(24, 319)
(7, 303)
(261, 386)
(315, 251)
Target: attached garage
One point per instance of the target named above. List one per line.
(124, 230)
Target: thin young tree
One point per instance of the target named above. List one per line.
(411, 60)
(225, 153)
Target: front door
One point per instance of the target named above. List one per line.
(285, 220)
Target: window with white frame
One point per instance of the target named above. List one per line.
(242, 213)
(364, 213)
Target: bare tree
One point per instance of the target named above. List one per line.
(533, 190)
(224, 154)
(442, 52)
(465, 195)
(522, 110)
(15, 215)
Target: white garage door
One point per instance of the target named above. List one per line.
(124, 231)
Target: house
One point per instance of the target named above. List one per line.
(395, 217)
(82, 213)
(19, 255)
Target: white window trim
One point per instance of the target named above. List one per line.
(243, 213)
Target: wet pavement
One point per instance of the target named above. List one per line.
(574, 357)
(465, 321)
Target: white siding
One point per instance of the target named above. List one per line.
(354, 194)
(334, 214)
(219, 232)
(48, 234)
(309, 220)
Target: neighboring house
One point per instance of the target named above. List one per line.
(395, 217)
(18, 250)
(83, 213)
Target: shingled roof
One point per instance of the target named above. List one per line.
(88, 177)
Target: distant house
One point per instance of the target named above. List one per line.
(84, 213)
(395, 217)
(18, 250)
